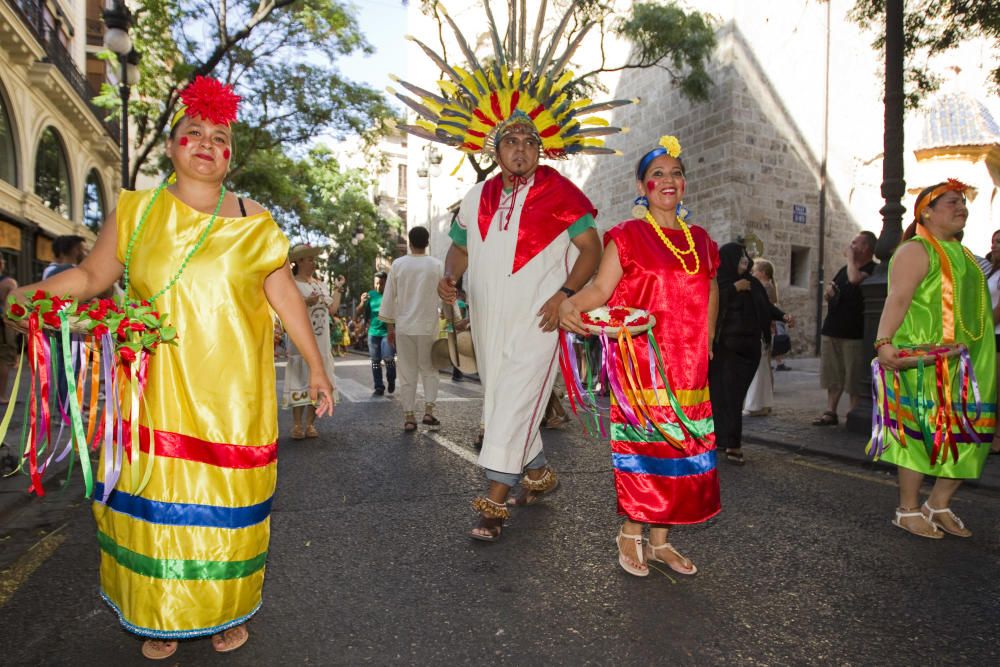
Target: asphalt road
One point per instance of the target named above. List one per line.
(370, 564)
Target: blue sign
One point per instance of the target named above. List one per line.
(799, 214)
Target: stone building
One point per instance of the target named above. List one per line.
(58, 159)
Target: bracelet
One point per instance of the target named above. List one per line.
(879, 342)
(567, 291)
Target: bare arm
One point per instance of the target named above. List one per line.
(855, 275)
(336, 295)
(455, 264)
(287, 302)
(98, 271)
(597, 293)
(589, 245)
(909, 267)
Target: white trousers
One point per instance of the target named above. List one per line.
(413, 357)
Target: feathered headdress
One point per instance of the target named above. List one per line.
(525, 84)
(211, 99)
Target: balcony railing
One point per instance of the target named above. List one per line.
(34, 15)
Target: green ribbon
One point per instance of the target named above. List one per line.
(76, 421)
(176, 568)
(698, 429)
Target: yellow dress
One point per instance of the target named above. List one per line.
(185, 557)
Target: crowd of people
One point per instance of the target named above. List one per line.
(525, 261)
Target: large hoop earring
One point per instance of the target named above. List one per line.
(640, 207)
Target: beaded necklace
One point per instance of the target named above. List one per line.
(982, 301)
(135, 235)
(678, 253)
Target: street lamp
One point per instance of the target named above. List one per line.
(431, 167)
(117, 20)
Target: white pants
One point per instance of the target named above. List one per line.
(413, 356)
(761, 392)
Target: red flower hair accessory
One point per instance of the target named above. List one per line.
(209, 98)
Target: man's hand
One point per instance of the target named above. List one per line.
(549, 312)
(391, 337)
(447, 290)
(789, 320)
(830, 291)
(742, 285)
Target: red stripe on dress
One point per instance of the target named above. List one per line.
(188, 448)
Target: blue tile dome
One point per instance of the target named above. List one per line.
(958, 119)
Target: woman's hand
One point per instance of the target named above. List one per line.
(888, 357)
(742, 285)
(321, 392)
(789, 320)
(569, 317)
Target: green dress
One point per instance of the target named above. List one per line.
(919, 404)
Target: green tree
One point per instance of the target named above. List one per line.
(279, 54)
(932, 27)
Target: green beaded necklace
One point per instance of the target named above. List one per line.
(138, 229)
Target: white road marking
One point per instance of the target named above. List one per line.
(355, 392)
(463, 452)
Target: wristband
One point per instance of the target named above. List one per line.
(567, 291)
(879, 342)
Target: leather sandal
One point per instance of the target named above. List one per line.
(532, 491)
(240, 633)
(627, 563)
(431, 422)
(410, 423)
(669, 547)
(960, 531)
(158, 649)
(298, 433)
(311, 431)
(929, 531)
(491, 517)
(828, 418)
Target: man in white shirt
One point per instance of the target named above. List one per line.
(410, 311)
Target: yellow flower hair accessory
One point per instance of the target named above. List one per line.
(673, 146)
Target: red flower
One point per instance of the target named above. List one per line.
(39, 295)
(17, 310)
(81, 308)
(136, 325)
(51, 319)
(96, 314)
(99, 330)
(210, 99)
(126, 354)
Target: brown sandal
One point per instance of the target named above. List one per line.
(158, 649)
(410, 425)
(491, 518)
(240, 633)
(531, 491)
(828, 418)
(298, 433)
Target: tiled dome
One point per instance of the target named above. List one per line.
(958, 119)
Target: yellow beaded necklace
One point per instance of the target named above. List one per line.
(981, 316)
(678, 253)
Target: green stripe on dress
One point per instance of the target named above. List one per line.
(174, 568)
(633, 434)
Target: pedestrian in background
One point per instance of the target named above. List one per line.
(760, 396)
(8, 336)
(992, 270)
(379, 349)
(68, 251)
(321, 303)
(937, 296)
(744, 323)
(410, 311)
(842, 359)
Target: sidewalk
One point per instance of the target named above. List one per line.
(798, 400)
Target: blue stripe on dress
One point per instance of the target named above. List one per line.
(185, 514)
(651, 465)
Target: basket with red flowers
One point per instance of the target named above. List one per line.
(611, 320)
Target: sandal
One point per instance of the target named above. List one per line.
(734, 456)
(930, 530)
(311, 431)
(431, 422)
(532, 491)
(231, 639)
(629, 565)
(157, 649)
(957, 528)
(409, 422)
(828, 418)
(692, 570)
(491, 518)
(298, 433)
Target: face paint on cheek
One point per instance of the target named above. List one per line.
(650, 185)
(225, 153)
(183, 141)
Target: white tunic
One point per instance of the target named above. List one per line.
(296, 387)
(516, 360)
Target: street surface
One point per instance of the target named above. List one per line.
(370, 564)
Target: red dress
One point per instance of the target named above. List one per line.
(656, 482)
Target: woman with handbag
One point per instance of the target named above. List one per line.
(937, 296)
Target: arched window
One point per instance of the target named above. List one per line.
(52, 174)
(93, 201)
(8, 158)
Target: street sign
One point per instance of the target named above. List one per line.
(799, 214)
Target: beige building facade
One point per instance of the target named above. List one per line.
(59, 162)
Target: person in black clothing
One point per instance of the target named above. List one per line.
(842, 357)
(745, 315)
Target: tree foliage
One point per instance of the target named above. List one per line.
(932, 27)
(279, 54)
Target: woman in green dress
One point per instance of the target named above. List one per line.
(937, 296)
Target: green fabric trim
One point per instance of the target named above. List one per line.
(583, 224)
(458, 235)
(170, 568)
(632, 434)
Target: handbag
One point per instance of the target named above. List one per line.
(781, 342)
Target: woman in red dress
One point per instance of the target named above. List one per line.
(659, 263)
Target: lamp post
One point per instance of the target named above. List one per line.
(359, 236)
(117, 20)
(431, 167)
(875, 288)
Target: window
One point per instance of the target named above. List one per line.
(8, 158)
(93, 202)
(799, 267)
(52, 174)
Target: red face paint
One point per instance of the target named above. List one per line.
(650, 186)
(225, 153)
(183, 141)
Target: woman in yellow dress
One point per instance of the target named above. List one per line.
(184, 556)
